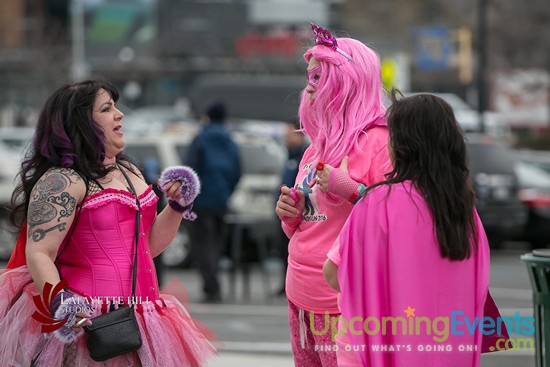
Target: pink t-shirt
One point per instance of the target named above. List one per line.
(323, 218)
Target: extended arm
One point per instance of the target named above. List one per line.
(164, 230)
(181, 185)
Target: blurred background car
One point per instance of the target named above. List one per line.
(9, 166)
(263, 158)
(533, 171)
(16, 138)
(538, 158)
(466, 116)
(12, 144)
(470, 118)
(496, 184)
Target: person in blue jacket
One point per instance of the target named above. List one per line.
(215, 157)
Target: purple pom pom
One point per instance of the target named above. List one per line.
(190, 216)
(67, 310)
(190, 184)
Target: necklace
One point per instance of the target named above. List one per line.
(118, 175)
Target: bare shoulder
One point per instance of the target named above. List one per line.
(60, 181)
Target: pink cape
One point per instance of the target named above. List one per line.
(407, 305)
(17, 257)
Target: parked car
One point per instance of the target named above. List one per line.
(470, 118)
(534, 180)
(538, 158)
(263, 159)
(467, 117)
(9, 166)
(16, 138)
(492, 169)
(13, 141)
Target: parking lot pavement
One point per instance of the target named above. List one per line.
(251, 360)
(228, 359)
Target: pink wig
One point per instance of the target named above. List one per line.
(348, 99)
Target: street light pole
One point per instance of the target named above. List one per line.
(78, 63)
(482, 62)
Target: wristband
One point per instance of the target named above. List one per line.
(186, 210)
(176, 206)
(358, 195)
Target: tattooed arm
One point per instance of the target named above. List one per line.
(51, 212)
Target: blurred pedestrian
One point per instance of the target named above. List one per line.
(343, 114)
(296, 144)
(414, 248)
(216, 159)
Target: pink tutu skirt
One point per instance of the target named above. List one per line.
(170, 336)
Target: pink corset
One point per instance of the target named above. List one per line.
(97, 260)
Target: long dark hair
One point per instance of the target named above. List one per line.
(66, 136)
(428, 148)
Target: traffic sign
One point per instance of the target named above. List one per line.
(433, 48)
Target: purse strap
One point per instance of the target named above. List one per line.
(133, 191)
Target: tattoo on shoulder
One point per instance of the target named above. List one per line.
(50, 200)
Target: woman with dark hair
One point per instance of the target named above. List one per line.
(76, 205)
(414, 258)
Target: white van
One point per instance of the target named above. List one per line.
(263, 160)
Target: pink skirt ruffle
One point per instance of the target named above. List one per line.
(170, 336)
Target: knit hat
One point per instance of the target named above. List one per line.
(216, 111)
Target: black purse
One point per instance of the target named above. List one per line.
(117, 331)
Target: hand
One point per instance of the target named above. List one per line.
(287, 207)
(172, 190)
(72, 328)
(82, 319)
(323, 175)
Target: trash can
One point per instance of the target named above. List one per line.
(538, 265)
